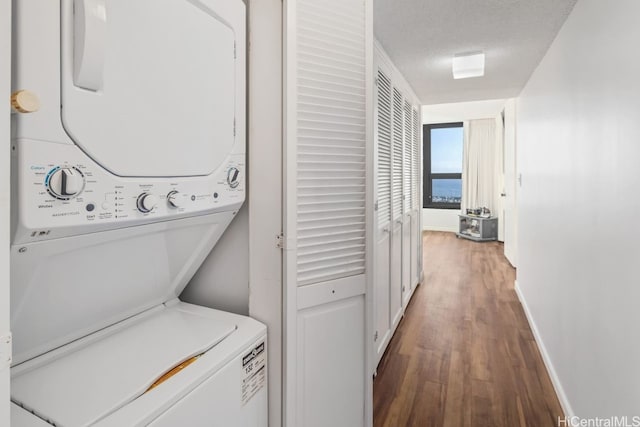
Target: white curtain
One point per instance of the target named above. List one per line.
(482, 165)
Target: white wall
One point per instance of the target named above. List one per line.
(265, 184)
(222, 281)
(578, 251)
(440, 219)
(5, 88)
(461, 111)
(447, 219)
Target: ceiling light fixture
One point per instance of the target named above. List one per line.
(467, 65)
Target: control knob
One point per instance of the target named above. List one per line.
(233, 176)
(174, 199)
(147, 202)
(65, 183)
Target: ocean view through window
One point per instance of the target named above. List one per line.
(443, 144)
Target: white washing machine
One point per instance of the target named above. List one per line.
(123, 180)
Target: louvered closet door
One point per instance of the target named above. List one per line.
(395, 298)
(407, 157)
(328, 78)
(383, 142)
(382, 138)
(407, 152)
(397, 155)
(416, 197)
(416, 234)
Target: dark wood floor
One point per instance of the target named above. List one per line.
(464, 355)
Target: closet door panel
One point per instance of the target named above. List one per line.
(382, 136)
(416, 233)
(407, 151)
(327, 204)
(396, 207)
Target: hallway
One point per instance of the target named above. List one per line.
(464, 354)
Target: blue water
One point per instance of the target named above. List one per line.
(447, 190)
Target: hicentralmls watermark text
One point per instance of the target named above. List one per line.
(599, 422)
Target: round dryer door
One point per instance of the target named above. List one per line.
(149, 87)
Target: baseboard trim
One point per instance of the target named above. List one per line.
(555, 381)
(436, 228)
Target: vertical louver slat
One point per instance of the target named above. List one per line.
(407, 157)
(384, 149)
(331, 117)
(416, 158)
(396, 173)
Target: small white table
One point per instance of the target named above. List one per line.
(478, 228)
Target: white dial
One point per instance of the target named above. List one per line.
(147, 202)
(65, 183)
(175, 199)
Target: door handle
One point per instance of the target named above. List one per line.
(386, 230)
(90, 31)
(503, 194)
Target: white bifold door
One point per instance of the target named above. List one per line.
(328, 212)
(382, 295)
(407, 153)
(398, 251)
(416, 198)
(397, 214)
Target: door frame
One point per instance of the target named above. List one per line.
(510, 183)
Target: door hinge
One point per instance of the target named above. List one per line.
(280, 241)
(404, 289)
(234, 51)
(375, 206)
(375, 336)
(234, 126)
(5, 352)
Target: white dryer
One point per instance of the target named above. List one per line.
(123, 181)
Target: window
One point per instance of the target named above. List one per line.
(443, 165)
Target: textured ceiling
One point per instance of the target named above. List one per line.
(421, 37)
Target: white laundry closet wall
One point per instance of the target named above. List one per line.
(5, 81)
(222, 282)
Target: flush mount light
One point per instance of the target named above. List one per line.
(467, 65)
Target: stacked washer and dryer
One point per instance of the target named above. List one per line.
(124, 179)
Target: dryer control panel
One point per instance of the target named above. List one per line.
(62, 193)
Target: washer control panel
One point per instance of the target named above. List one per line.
(64, 193)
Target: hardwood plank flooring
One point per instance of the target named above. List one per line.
(464, 355)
